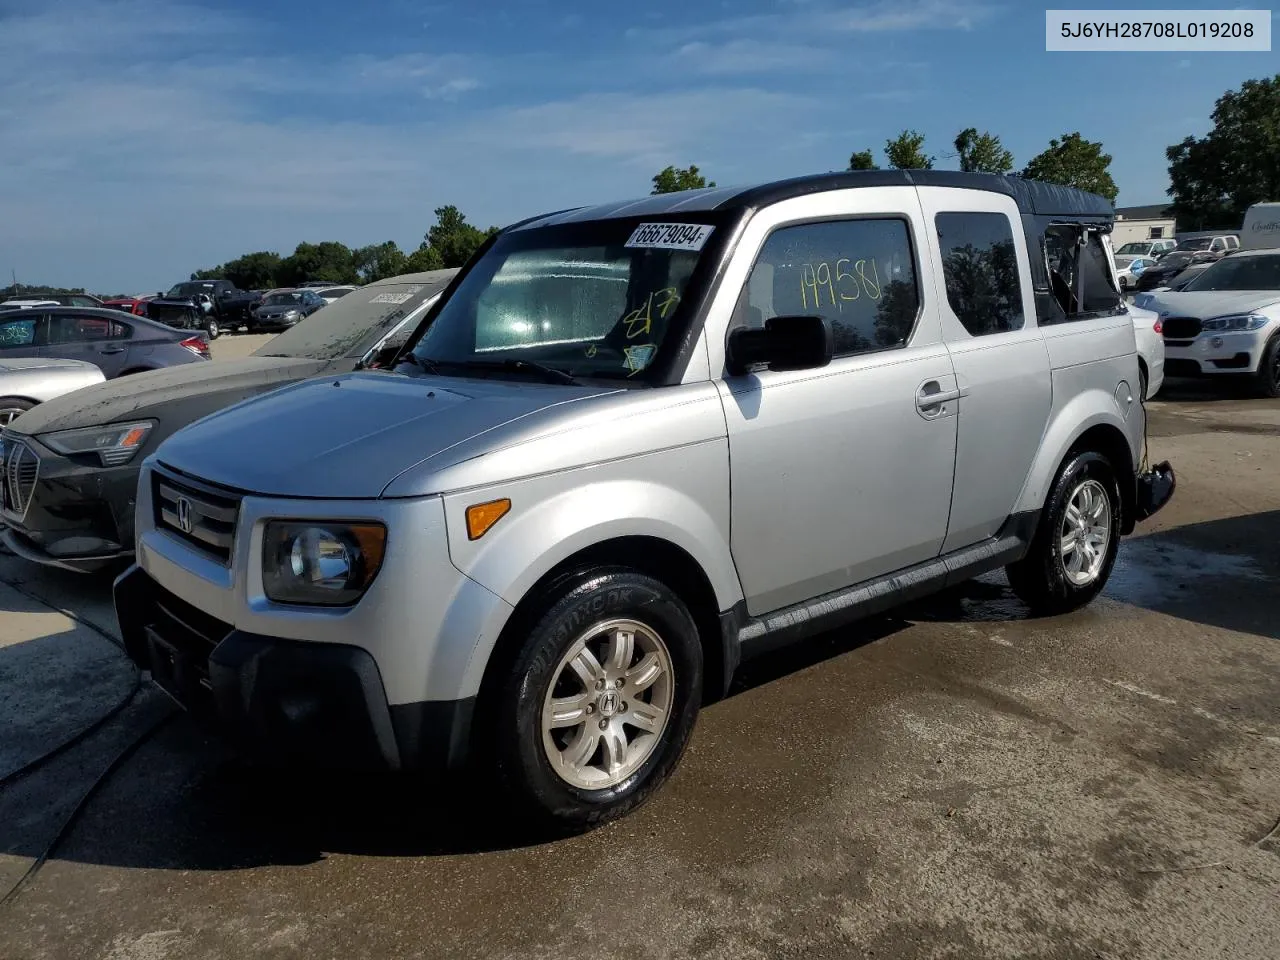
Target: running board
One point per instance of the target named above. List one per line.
(757, 635)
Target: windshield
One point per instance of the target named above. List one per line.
(278, 299)
(596, 300)
(187, 289)
(1239, 273)
(348, 327)
(1200, 243)
(1134, 249)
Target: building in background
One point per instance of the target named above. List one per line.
(1142, 223)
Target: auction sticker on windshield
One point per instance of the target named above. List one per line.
(669, 236)
(391, 298)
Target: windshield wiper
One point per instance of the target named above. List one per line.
(549, 374)
(422, 363)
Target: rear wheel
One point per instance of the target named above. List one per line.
(11, 408)
(595, 711)
(1075, 546)
(1269, 369)
(212, 328)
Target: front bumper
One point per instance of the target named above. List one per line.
(79, 517)
(284, 700)
(414, 648)
(1212, 352)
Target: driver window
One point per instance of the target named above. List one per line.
(857, 274)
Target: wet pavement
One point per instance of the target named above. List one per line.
(956, 780)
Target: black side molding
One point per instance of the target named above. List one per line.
(757, 635)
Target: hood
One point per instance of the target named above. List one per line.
(1211, 303)
(27, 364)
(168, 391)
(348, 437)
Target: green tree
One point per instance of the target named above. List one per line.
(378, 261)
(252, 271)
(673, 180)
(328, 260)
(453, 239)
(1214, 179)
(425, 258)
(863, 160)
(1073, 161)
(906, 151)
(982, 152)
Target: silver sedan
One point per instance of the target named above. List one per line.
(27, 381)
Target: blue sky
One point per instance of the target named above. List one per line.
(147, 138)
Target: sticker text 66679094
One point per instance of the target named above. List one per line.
(842, 282)
(669, 236)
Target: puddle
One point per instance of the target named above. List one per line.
(1149, 571)
(987, 599)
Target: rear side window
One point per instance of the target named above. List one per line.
(66, 328)
(858, 274)
(980, 268)
(1098, 296)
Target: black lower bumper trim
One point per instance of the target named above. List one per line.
(322, 704)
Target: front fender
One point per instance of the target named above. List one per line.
(680, 495)
(1084, 411)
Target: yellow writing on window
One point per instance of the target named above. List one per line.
(836, 284)
(640, 320)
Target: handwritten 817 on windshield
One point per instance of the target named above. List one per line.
(1136, 29)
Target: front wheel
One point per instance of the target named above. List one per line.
(212, 328)
(1075, 545)
(596, 710)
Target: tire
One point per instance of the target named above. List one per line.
(12, 407)
(1045, 579)
(1268, 375)
(212, 328)
(1142, 383)
(532, 743)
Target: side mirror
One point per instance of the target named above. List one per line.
(785, 343)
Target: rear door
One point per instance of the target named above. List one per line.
(22, 333)
(89, 337)
(987, 310)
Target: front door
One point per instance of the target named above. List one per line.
(1001, 361)
(840, 474)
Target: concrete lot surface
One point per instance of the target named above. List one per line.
(953, 781)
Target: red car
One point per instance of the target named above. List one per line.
(135, 305)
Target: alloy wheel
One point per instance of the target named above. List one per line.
(1085, 535)
(608, 703)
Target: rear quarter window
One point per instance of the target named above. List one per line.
(980, 269)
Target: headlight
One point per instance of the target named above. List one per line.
(114, 444)
(318, 563)
(1238, 322)
(290, 313)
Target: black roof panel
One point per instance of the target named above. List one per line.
(1034, 197)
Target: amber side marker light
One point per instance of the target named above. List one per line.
(482, 516)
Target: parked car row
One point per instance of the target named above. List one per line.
(79, 512)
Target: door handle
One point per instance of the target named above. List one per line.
(113, 349)
(926, 400)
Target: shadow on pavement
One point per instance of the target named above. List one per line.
(185, 803)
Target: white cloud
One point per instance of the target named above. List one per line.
(151, 166)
